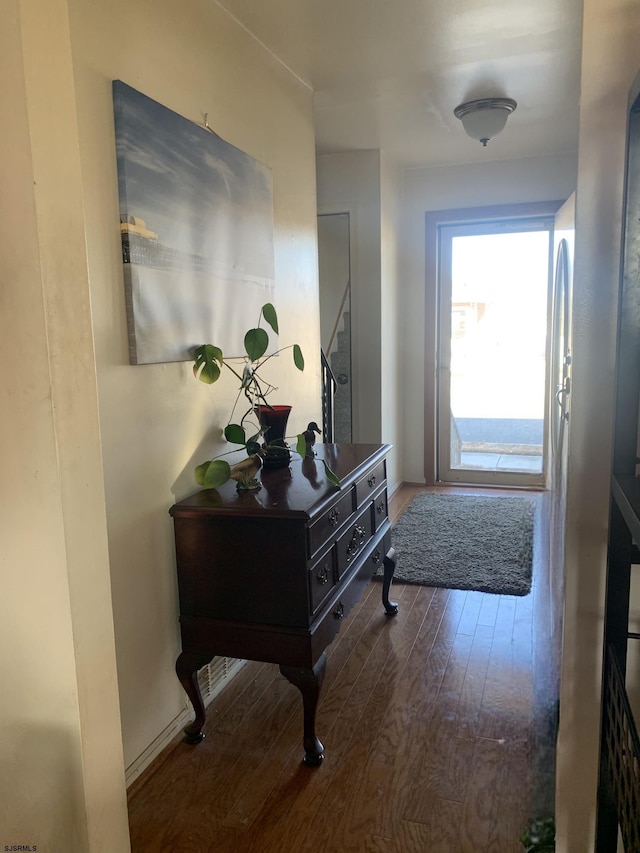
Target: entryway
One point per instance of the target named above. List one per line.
(493, 351)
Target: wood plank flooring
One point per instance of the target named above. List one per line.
(438, 726)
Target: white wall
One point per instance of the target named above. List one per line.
(450, 188)
(366, 184)
(156, 421)
(350, 183)
(610, 61)
(392, 412)
(388, 273)
(334, 275)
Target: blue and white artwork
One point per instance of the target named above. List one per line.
(196, 222)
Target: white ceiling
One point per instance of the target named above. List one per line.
(388, 73)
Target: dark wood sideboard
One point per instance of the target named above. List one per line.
(269, 575)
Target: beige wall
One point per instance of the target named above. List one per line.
(62, 781)
(156, 421)
(61, 743)
(610, 61)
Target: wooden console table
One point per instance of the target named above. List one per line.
(269, 575)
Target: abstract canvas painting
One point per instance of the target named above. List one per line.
(196, 224)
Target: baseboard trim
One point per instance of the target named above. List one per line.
(395, 488)
(169, 734)
(148, 756)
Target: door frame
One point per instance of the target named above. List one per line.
(446, 471)
(560, 358)
(433, 219)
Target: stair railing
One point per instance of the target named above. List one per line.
(339, 317)
(329, 385)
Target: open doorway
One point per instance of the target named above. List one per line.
(492, 351)
(334, 262)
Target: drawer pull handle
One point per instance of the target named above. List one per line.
(334, 515)
(356, 542)
(380, 508)
(376, 557)
(338, 613)
(372, 481)
(323, 575)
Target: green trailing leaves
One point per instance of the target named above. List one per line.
(217, 473)
(235, 434)
(255, 438)
(207, 361)
(213, 473)
(256, 342)
(269, 314)
(301, 446)
(331, 477)
(305, 452)
(200, 471)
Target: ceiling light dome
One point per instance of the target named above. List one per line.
(484, 118)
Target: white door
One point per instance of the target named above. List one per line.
(560, 404)
(493, 351)
(561, 356)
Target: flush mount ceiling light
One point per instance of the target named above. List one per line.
(485, 118)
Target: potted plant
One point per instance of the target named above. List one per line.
(261, 428)
(540, 836)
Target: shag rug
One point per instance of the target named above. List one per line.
(466, 542)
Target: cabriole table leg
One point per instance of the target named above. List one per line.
(309, 682)
(187, 666)
(389, 564)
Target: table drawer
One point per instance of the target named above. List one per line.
(354, 540)
(371, 481)
(330, 521)
(380, 552)
(322, 579)
(380, 509)
(343, 601)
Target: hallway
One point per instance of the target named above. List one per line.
(438, 726)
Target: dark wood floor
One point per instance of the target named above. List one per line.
(438, 726)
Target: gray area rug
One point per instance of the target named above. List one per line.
(466, 542)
